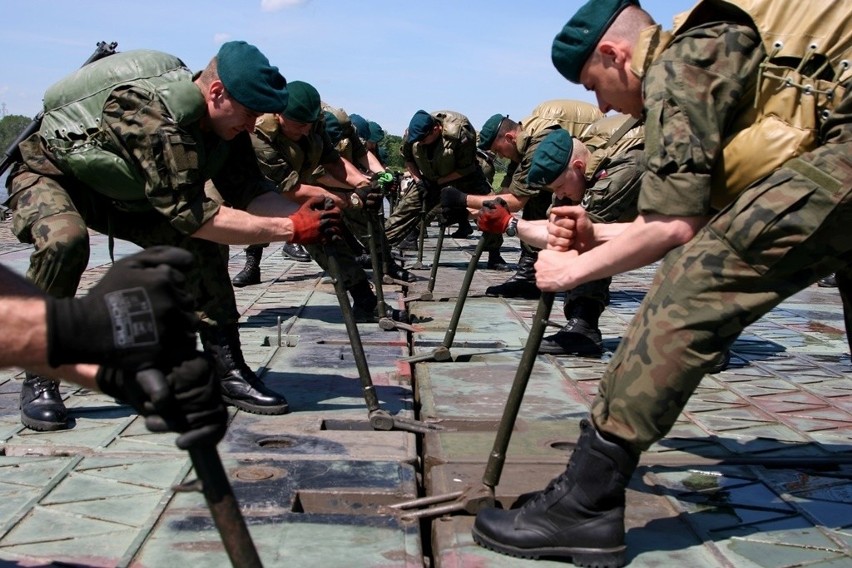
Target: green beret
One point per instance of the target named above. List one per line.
(333, 127)
(250, 79)
(362, 126)
(551, 158)
(376, 133)
(577, 40)
(489, 131)
(421, 124)
(304, 104)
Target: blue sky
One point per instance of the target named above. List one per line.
(381, 59)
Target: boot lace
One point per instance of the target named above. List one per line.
(43, 384)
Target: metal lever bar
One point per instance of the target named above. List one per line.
(370, 397)
(442, 352)
(475, 498)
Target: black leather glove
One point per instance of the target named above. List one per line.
(186, 399)
(371, 195)
(453, 206)
(135, 316)
(452, 198)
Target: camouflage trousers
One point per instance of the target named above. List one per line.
(406, 216)
(54, 214)
(778, 237)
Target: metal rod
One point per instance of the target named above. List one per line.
(224, 508)
(465, 288)
(352, 330)
(497, 458)
(433, 274)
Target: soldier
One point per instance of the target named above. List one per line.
(86, 340)
(295, 152)
(439, 151)
(125, 148)
(516, 142)
(353, 149)
(750, 192)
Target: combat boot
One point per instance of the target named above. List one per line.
(240, 386)
(496, 262)
(411, 241)
(579, 516)
(522, 283)
(42, 407)
(580, 336)
(829, 281)
(364, 302)
(397, 272)
(250, 274)
(296, 252)
(464, 230)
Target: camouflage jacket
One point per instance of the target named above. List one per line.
(287, 163)
(170, 159)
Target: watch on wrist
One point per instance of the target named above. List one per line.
(512, 227)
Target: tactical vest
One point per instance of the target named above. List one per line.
(344, 145)
(598, 138)
(573, 116)
(435, 163)
(809, 51)
(303, 156)
(72, 127)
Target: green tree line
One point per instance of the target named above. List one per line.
(10, 126)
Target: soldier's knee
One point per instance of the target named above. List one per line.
(66, 236)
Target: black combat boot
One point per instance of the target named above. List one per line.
(42, 408)
(829, 281)
(411, 241)
(250, 274)
(522, 283)
(580, 515)
(580, 336)
(496, 262)
(397, 272)
(364, 302)
(464, 230)
(240, 386)
(296, 252)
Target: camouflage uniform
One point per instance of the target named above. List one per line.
(53, 210)
(614, 175)
(778, 236)
(432, 162)
(288, 164)
(352, 149)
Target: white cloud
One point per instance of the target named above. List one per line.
(275, 5)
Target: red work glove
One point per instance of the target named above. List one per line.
(494, 216)
(316, 221)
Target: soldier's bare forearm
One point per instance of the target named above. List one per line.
(235, 227)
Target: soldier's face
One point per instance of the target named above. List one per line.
(228, 117)
(571, 183)
(615, 86)
(293, 129)
(504, 146)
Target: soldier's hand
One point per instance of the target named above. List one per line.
(452, 198)
(136, 315)
(569, 227)
(553, 270)
(494, 216)
(371, 196)
(317, 220)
